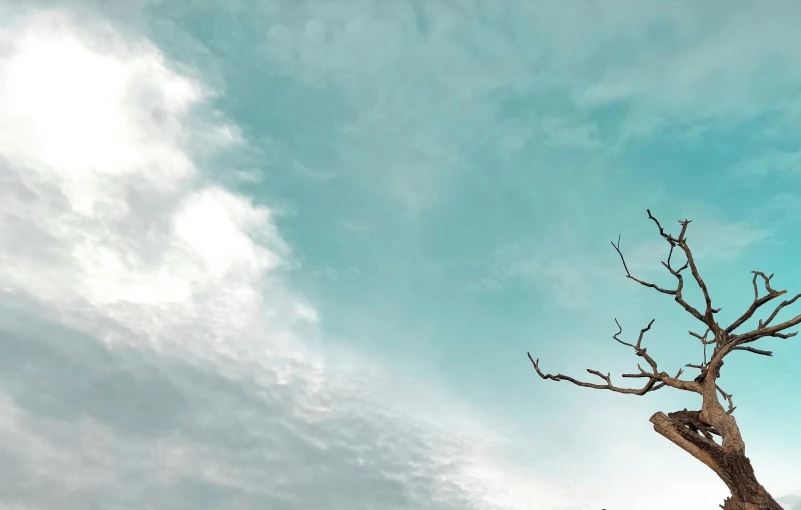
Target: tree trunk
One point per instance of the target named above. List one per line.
(730, 464)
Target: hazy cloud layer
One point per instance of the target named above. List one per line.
(152, 356)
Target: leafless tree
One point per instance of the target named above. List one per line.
(696, 431)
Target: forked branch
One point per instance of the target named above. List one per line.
(681, 242)
(764, 329)
(727, 396)
(758, 301)
(655, 378)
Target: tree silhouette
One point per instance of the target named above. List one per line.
(696, 431)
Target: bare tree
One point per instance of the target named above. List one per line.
(696, 431)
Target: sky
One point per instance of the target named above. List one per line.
(291, 254)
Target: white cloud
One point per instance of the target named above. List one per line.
(108, 226)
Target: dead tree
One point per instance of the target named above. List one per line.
(696, 431)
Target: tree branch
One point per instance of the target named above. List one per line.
(681, 242)
(649, 386)
(708, 311)
(784, 303)
(727, 396)
(759, 301)
(753, 349)
(702, 338)
(705, 342)
(642, 282)
(698, 446)
(763, 330)
(656, 379)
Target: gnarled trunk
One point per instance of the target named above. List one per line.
(686, 430)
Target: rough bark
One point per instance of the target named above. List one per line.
(731, 465)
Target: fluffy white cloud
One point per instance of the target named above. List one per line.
(153, 354)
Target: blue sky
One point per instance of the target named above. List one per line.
(291, 255)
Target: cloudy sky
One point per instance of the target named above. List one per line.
(290, 255)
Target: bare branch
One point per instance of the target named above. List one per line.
(727, 396)
(649, 386)
(641, 282)
(702, 338)
(784, 303)
(654, 377)
(674, 381)
(681, 242)
(637, 348)
(754, 350)
(763, 330)
(759, 301)
(667, 236)
(668, 265)
(639, 339)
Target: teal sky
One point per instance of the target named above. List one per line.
(303, 247)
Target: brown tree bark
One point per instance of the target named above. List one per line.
(731, 465)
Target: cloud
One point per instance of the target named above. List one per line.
(671, 63)
(153, 352)
(676, 64)
(126, 426)
(790, 502)
(566, 281)
(412, 96)
(772, 163)
(398, 77)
